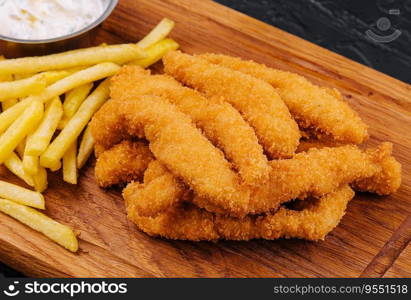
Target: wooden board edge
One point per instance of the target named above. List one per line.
(392, 249)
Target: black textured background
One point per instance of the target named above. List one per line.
(338, 25)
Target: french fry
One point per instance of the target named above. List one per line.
(40, 180)
(6, 104)
(72, 81)
(155, 52)
(19, 129)
(60, 87)
(75, 126)
(118, 54)
(55, 167)
(59, 233)
(21, 147)
(23, 76)
(86, 148)
(7, 77)
(70, 165)
(9, 116)
(31, 164)
(74, 98)
(54, 76)
(51, 76)
(22, 88)
(28, 130)
(15, 165)
(63, 122)
(156, 34)
(21, 195)
(38, 141)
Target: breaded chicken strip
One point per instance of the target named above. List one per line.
(175, 142)
(319, 171)
(219, 121)
(313, 173)
(188, 222)
(123, 163)
(312, 106)
(160, 191)
(306, 144)
(255, 99)
(98, 150)
(382, 183)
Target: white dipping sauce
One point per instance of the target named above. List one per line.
(46, 19)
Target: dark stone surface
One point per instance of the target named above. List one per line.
(6, 271)
(339, 26)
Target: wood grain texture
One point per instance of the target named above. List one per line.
(402, 266)
(110, 245)
(388, 254)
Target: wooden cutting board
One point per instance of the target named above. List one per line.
(370, 240)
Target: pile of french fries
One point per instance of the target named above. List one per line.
(47, 103)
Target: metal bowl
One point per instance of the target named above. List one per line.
(12, 47)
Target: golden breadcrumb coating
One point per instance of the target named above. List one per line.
(98, 149)
(313, 173)
(312, 106)
(188, 222)
(206, 176)
(160, 191)
(385, 182)
(308, 143)
(174, 141)
(255, 99)
(220, 122)
(123, 163)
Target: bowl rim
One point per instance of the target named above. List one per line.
(110, 7)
